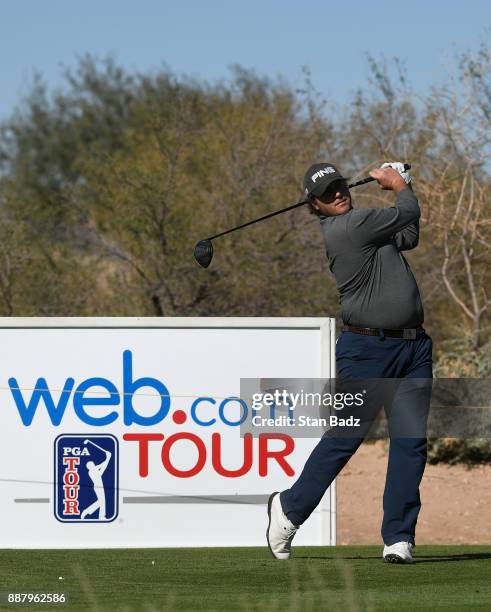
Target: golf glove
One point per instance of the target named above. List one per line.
(399, 167)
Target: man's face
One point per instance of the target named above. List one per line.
(336, 200)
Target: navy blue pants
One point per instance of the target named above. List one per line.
(371, 357)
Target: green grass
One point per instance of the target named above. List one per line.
(345, 578)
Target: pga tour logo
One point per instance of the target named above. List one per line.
(86, 478)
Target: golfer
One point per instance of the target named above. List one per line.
(95, 474)
(382, 337)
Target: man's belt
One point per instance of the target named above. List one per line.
(406, 334)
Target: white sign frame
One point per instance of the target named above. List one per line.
(326, 329)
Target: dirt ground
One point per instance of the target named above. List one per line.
(456, 501)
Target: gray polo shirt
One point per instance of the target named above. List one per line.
(375, 283)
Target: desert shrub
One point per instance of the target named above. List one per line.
(459, 359)
(453, 450)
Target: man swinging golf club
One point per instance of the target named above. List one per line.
(95, 472)
(382, 337)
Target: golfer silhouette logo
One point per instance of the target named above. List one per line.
(86, 478)
(95, 474)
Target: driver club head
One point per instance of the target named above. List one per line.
(203, 253)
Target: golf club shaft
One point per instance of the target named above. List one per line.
(277, 212)
(368, 179)
(96, 445)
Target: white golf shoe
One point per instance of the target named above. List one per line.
(281, 531)
(400, 552)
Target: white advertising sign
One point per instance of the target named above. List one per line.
(125, 432)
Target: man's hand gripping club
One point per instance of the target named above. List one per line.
(391, 176)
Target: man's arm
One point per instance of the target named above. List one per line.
(407, 238)
(378, 225)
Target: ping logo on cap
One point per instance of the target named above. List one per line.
(322, 172)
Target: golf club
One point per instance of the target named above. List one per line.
(203, 251)
(96, 445)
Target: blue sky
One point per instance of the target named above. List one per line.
(204, 38)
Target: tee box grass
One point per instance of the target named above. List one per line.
(346, 578)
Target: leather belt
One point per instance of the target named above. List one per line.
(406, 334)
